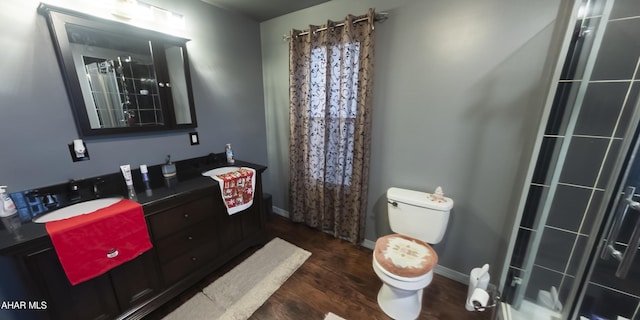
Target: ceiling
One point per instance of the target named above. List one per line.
(261, 10)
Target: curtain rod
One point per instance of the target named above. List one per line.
(379, 17)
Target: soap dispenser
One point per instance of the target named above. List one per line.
(229, 153)
(169, 172)
(9, 214)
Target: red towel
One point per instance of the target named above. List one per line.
(92, 244)
(237, 188)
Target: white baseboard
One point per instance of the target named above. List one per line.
(451, 274)
(280, 212)
(368, 244)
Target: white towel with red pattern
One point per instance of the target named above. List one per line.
(237, 188)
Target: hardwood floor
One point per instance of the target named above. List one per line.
(338, 278)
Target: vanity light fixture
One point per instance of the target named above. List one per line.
(124, 9)
(141, 12)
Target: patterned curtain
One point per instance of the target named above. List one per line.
(330, 105)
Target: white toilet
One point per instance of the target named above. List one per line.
(404, 261)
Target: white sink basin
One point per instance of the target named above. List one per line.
(217, 171)
(77, 209)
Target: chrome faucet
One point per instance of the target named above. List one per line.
(96, 190)
(48, 200)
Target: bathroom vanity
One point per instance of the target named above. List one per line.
(192, 235)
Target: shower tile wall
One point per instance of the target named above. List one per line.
(584, 174)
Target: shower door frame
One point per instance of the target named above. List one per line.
(603, 218)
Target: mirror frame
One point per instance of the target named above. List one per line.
(57, 18)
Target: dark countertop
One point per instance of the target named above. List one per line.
(188, 182)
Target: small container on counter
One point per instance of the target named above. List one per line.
(145, 179)
(229, 153)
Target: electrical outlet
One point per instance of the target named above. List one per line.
(78, 157)
(193, 137)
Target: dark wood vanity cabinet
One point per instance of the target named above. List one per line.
(88, 300)
(192, 236)
(136, 281)
(196, 234)
(185, 236)
(103, 297)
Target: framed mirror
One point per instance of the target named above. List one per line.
(120, 78)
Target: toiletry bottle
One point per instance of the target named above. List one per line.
(9, 214)
(145, 179)
(131, 193)
(128, 179)
(229, 152)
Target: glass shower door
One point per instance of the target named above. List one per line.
(612, 285)
(585, 160)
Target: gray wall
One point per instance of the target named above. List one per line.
(459, 91)
(36, 122)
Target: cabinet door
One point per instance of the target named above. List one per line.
(92, 299)
(136, 280)
(251, 222)
(253, 219)
(229, 226)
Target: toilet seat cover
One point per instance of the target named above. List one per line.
(404, 256)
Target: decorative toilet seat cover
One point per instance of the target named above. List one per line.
(404, 256)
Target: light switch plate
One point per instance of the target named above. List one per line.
(193, 137)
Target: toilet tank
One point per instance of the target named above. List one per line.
(414, 214)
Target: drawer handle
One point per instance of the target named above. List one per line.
(194, 259)
(186, 216)
(189, 238)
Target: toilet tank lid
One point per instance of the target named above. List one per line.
(417, 198)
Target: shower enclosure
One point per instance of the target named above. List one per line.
(574, 253)
(103, 81)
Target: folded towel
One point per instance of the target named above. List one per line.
(237, 188)
(92, 244)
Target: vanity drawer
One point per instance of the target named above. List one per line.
(175, 219)
(186, 240)
(185, 264)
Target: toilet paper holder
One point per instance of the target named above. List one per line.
(494, 298)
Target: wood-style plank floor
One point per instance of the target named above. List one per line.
(338, 278)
